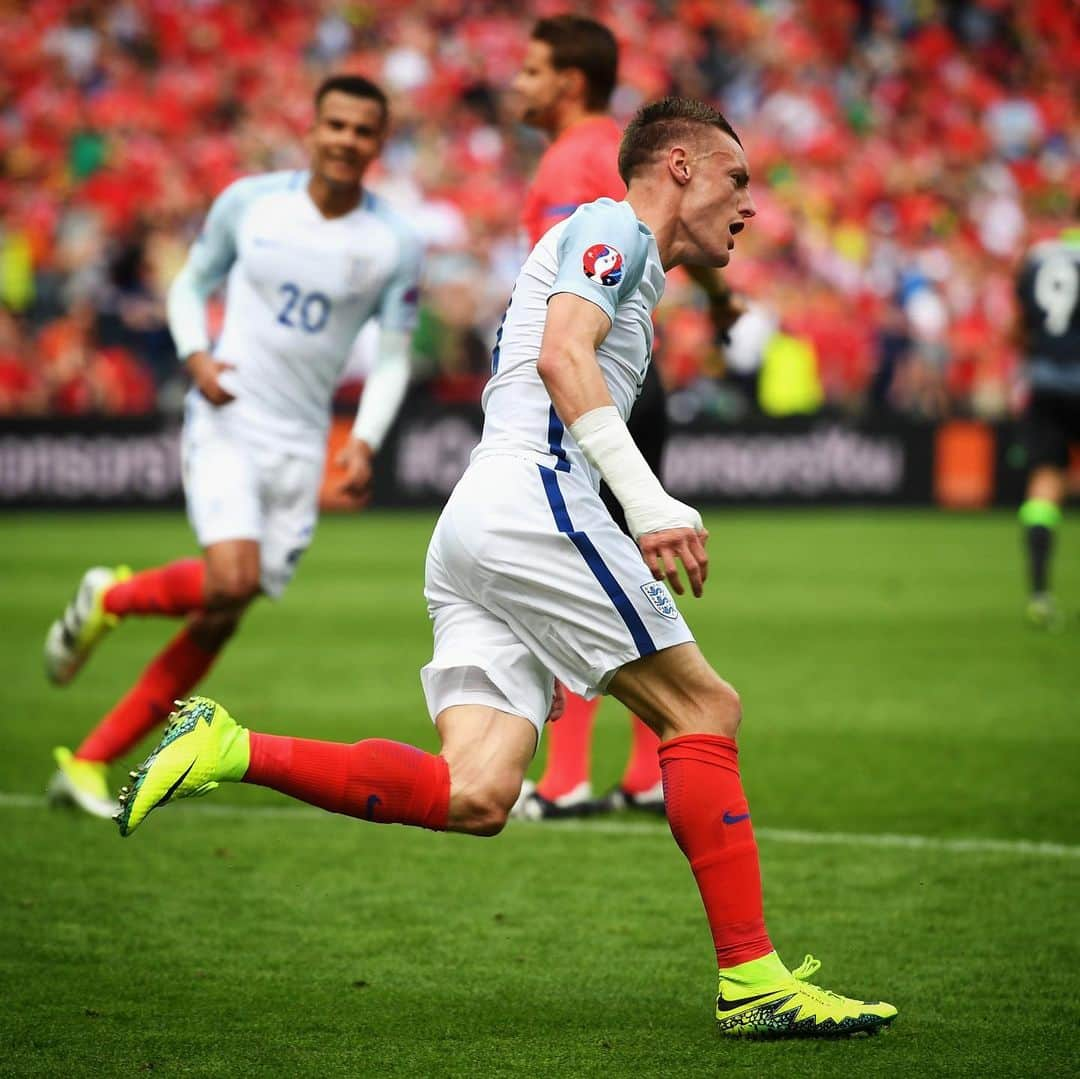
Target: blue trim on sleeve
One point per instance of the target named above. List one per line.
(564, 209)
(555, 433)
(619, 599)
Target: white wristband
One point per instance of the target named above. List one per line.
(604, 439)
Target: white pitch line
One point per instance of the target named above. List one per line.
(973, 845)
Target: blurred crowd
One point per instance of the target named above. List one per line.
(904, 153)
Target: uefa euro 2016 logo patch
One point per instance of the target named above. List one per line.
(604, 262)
(658, 596)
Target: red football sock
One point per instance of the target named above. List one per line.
(710, 820)
(569, 739)
(643, 768)
(173, 589)
(172, 674)
(377, 780)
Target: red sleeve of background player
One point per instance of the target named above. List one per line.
(581, 166)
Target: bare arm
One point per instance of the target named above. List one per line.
(573, 331)
(667, 531)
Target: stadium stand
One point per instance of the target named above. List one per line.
(904, 155)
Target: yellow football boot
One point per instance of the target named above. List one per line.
(202, 746)
(793, 1008)
(83, 784)
(75, 634)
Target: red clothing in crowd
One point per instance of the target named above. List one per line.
(580, 166)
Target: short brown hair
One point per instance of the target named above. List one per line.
(586, 45)
(661, 123)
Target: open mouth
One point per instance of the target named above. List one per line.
(734, 229)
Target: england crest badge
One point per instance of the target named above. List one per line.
(658, 596)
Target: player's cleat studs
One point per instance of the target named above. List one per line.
(200, 749)
(798, 1008)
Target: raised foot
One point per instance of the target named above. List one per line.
(78, 631)
(202, 746)
(80, 784)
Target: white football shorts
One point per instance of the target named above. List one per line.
(235, 490)
(528, 578)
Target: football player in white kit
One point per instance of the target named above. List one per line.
(530, 581)
(309, 257)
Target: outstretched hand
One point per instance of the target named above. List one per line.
(663, 551)
(357, 458)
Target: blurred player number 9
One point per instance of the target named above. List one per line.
(307, 311)
(1057, 286)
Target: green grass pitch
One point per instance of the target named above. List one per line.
(890, 688)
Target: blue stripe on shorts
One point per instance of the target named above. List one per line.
(600, 571)
(555, 433)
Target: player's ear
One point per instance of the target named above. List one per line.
(574, 83)
(678, 162)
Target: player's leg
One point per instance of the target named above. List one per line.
(641, 785)
(81, 777)
(564, 789)
(697, 715)
(221, 488)
(1040, 516)
(1049, 423)
(221, 483)
(172, 674)
(105, 596)
(486, 745)
(468, 787)
(579, 596)
(487, 751)
(282, 511)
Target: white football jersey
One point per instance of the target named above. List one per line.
(604, 254)
(300, 288)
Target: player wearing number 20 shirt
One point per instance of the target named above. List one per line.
(307, 257)
(300, 288)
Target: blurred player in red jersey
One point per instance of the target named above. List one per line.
(564, 86)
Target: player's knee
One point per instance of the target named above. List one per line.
(479, 812)
(727, 709)
(715, 709)
(482, 807)
(234, 587)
